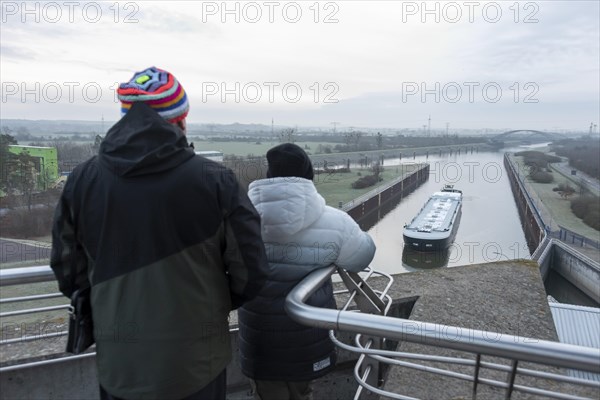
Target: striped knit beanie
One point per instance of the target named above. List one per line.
(157, 88)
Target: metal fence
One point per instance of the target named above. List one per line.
(22, 276)
(568, 236)
(516, 350)
(373, 327)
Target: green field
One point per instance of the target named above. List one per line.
(336, 188)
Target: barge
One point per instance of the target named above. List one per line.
(434, 228)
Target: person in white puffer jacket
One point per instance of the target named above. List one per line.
(301, 234)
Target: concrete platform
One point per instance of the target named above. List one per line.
(503, 297)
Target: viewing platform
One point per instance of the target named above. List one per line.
(507, 298)
(504, 300)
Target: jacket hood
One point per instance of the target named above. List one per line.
(142, 143)
(286, 205)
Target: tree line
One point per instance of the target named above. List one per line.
(583, 154)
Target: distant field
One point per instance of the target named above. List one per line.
(245, 148)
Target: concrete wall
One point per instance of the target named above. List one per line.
(73, 379)
(532, 225)
(370, 209)
(578, 269)
(77, 379)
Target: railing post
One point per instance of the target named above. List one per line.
(366, 299)
(476, 375)
(368, 302)
(511, 379)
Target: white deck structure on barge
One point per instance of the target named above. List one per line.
(436, 223)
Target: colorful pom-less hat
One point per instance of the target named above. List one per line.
(157, 88)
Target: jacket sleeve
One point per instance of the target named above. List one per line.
(357, 248)
(244, 255)
(68, 260)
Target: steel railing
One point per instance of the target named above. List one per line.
(514, 348)
(18, 276)
(27, 275)
(371, 323)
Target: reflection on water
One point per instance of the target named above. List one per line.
(424, 260)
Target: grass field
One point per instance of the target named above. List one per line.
(336, 188)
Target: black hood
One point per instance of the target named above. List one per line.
(142, 143)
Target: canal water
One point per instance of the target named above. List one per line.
(490, 228)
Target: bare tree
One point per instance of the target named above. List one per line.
(287, 135)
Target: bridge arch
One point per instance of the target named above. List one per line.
(533, 132)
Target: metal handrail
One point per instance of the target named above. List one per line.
(474, 341)
(506, 346)
(25, 275)
(17, 276)
(30, 298)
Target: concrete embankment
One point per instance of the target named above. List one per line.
(532, 223)
(582, 271)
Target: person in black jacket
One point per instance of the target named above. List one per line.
(168, 242)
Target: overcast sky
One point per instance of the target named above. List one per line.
(525, 65)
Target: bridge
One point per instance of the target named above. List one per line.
(527, 134)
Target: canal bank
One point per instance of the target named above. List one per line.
(555, 257)
(372, 206)
(531, 220)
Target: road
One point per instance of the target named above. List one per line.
(591, 183)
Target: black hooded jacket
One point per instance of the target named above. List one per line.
(170, 245)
